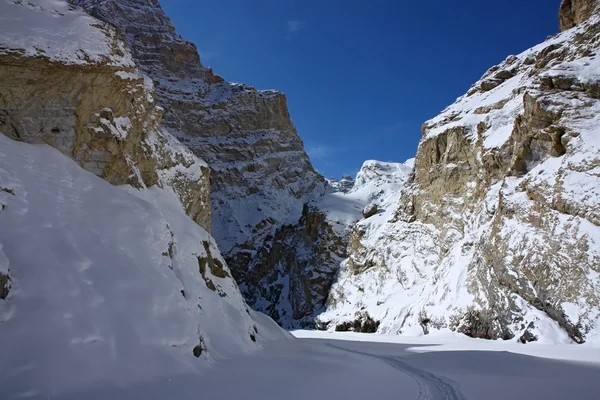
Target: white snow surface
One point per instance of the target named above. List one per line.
(377, 182)
(105, 283)
(58, 31)
(354, 367)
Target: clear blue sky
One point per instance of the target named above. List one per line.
(361, 76)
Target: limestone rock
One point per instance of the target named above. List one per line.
(99, 111)
(498, 224)
(260, 173)
(574, 12)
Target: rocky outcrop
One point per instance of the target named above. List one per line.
(290, 279)
(99, 111)
(260, 174)
(574, 12)
(4, 286)
(496, 230)
(370, 210)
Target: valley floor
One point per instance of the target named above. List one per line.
(321, 365)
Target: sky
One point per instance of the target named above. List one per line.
(361, 76)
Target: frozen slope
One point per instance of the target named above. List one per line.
(108, 285)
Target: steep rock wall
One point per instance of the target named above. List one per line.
(260, 174)
(96, 109)
(497, 231)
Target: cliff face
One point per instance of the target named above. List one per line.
(497, 232)
(118, 275)
(78, 90)
(260, 174)
(574, 12)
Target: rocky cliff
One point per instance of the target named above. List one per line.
(78, 90)
(90, 270)
(260, 175)
(497, 232)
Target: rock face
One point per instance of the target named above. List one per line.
(122, 275)
(290, 279)
(574, 12)
(260, 174)
(94, 107)
(497, 231)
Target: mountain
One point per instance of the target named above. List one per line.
(492, 230)
(260, 175)
(107, 276)
(496, 233)
(342, 185)
(291, 279)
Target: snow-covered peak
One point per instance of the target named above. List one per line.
(377, 183)
(379, 173)
(58, 31)
(345, 184)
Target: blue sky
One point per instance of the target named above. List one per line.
(361, 76)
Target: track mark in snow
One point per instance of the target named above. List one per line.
(431, 386)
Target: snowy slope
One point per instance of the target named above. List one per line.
(108, 284)
(55, 30)
(498, 231)
(377, 183)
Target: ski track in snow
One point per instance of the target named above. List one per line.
(431, 386)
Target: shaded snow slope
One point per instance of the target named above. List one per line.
(109, 285)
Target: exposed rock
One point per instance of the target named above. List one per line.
(497, 226)
(370, 210)
(362, 323)
(260, 174)
(574, 12)
(528, 335)
(4, 286)
(101, 113)
(290, 279)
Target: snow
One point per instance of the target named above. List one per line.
(446, 340)
(399, 271)
(321, 366)
(377, 182)
(58, 31)
(106, 288)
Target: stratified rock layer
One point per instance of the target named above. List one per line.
(260, 174)
(498, 230)
(97, 110)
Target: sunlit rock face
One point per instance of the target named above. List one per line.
(260, 174)
(497, 232)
